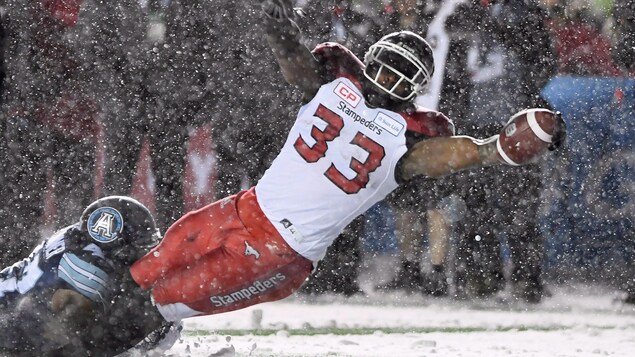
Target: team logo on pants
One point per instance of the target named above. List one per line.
(249, 250)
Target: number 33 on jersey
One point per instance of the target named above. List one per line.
(336, 149)
(342, 126)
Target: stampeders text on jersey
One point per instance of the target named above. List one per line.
(358, 118)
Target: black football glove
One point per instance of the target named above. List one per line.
(278, 9)
(559, 134)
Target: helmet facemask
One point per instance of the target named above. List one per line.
(128, 253)
(395, 70)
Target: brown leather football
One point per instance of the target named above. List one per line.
(526, 136)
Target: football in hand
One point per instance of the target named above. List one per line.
(526, 136)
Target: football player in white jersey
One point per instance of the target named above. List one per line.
(357, 136)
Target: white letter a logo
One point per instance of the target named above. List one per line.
(104, 226)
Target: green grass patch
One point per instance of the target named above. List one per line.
(368, 330)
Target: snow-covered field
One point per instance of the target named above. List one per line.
(575, 321)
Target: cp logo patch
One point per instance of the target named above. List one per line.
(105, 224)
(350, 96)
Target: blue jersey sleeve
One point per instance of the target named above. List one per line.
(63, 261)
(84, 276)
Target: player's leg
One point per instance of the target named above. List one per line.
(525, 241)
(408, 204)
(213, 261)
(187, 240)
(478, 269)
(338, 272)
(439, 232)
(409, 232)
(227, 280)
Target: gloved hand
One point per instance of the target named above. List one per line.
(560, 133)
(159, 340)
(278, 9)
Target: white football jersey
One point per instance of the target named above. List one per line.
(339, 160)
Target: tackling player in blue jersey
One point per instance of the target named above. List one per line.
(72, 296)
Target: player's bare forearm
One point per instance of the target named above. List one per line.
(527, 135)
(297, 64)
(437, 157)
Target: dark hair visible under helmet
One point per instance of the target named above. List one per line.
(405, 54)
(122, 226)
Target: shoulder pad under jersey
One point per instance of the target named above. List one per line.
(428, 122)
(338, 61)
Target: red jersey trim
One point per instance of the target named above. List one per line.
(428, 122)
(339, 62)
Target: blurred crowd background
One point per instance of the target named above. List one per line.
(180, 102)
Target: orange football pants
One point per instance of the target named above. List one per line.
(223, 257)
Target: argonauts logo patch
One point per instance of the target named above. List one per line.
(105, 224)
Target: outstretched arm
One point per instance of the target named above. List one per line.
(522, 140)
(442, 156)
(297, 64)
